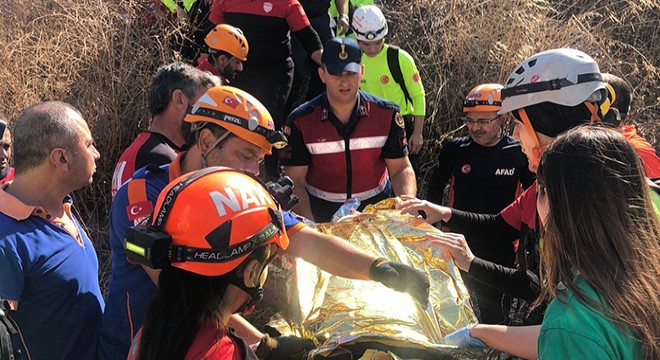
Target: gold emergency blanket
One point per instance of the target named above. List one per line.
(338, 311)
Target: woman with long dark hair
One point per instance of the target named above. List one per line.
(213, 233)
(600, 256)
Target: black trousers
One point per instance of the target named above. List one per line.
(306, 81)
(409, 121)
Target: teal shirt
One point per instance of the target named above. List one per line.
(570, 330)
(378, 81)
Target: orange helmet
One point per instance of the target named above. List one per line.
(484, 98)
(238, 112)
(216, 217)
(229, 39)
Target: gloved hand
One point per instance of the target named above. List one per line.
(462, 338)
(283, 347)
(401, 277)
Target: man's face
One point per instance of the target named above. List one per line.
(343, 87)
(485, 127)
(237, 153)
(231, 66)
(85, 155)
(5, 150)
(372, 48)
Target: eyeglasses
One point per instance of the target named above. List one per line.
(468, 121)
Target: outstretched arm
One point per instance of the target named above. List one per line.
(331, 253)
(341, 258)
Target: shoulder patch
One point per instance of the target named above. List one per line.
(139, 211)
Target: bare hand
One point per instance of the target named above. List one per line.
(457, 247)
(342, 25)
(416, 142)
(434, 213)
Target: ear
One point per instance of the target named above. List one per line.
(60, 158)
(206, 139)
(222, 59)
(321, 73)
(251, 273)
(361, 70)
(179, 99)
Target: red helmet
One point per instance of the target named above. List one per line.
(216, 218)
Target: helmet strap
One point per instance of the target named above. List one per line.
(593, 109)
(538, 149)
(223, 67)
(212, 147)
(256, 293)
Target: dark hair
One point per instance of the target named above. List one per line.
(602, 226)
(623, 92)
(175, 76)
(41, 128)
(551, 119)
(184, 303)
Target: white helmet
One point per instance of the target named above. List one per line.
(565, 77)
(369, 23)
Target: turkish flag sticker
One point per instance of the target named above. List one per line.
(230, 102)
(139, 210)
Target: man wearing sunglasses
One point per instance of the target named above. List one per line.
(486, 170)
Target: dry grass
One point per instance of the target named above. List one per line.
(461, 43)
(95, 55)
(98, 56)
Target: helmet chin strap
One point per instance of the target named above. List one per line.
(256, 293)
(593, 109)
(537, 151)
(212, 147)
(221, 69)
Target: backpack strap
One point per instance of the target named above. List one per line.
(7, 330)
(395, 68)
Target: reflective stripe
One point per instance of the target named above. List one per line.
(341, 197)
(333, 147)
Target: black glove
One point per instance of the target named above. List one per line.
(401, 277)
(284, 347)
